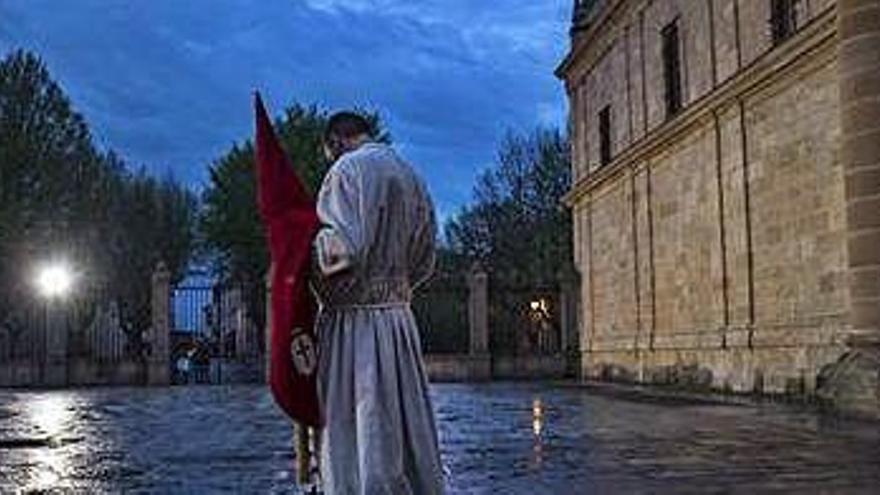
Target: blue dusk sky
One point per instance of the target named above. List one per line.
(167, 83)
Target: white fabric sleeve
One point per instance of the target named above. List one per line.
(422, 252)
(340, 240)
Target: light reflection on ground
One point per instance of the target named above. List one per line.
(496, 438)
(51, 416)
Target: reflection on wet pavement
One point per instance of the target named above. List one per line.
(496, 438)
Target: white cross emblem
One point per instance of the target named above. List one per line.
(302, 352)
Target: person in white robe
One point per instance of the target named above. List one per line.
(374, 248)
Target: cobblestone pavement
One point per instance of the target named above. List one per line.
(496, 438)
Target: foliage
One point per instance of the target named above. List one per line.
(61, 197)
(229, 223)
(518, 230)
(153, 221)
(521, 194)
(46, 157)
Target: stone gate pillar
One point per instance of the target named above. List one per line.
(479, 359)
(478, 311)
(854, 384)
(158, 365)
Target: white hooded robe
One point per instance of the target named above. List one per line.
(376, 244)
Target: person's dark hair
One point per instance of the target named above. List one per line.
(346, 125)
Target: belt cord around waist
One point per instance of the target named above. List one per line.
(386, 305)
(368, 294)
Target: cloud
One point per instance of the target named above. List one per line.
(167, 83)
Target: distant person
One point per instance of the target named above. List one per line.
(375, 246)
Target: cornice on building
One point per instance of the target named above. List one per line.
(585, 11)
(585, 31)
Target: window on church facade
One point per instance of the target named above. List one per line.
(605, 136)
(785, 18)
(672, 68)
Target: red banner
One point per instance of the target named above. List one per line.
(288, 212)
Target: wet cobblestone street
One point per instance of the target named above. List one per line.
(496, 438)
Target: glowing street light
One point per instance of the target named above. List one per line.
(539, 305)
(54, 280)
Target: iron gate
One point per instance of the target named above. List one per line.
(215, 326)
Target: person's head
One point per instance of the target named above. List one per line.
(345, 132)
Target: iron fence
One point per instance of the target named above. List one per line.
(441, 311)
(86, 325)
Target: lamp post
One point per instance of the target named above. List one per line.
(54, 282)
(540, 316)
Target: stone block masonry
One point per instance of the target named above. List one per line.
(736, 243)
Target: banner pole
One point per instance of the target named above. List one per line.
(303, 455)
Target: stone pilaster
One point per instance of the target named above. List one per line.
(158, 361)
(568, 292)
(854, 382)
(860, 106)
(569, 324)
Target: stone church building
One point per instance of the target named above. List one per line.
(726, 197)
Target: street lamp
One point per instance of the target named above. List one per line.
(540, 309)
(54, 280)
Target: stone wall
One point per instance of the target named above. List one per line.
(712, 249)
(75, 372)
(554, 366)
(476, 368)
(458, 367)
